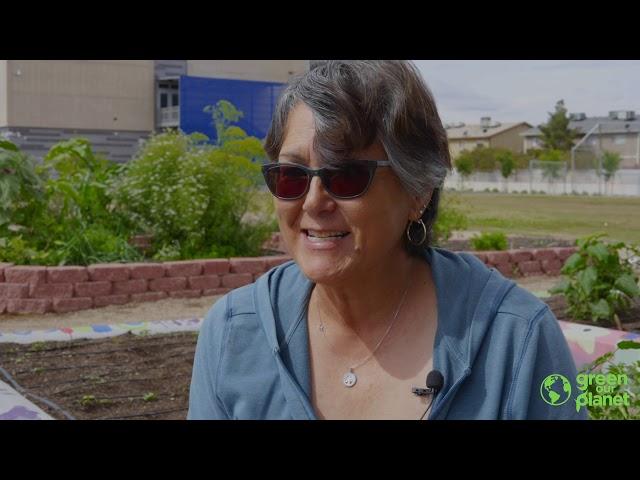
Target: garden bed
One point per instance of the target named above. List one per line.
(515, 243)
(132, 377)
(122, 377)
(630, 319)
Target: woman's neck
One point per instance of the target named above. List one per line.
(367, 304)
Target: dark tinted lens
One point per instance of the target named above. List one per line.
(348, 181)
(286, 181)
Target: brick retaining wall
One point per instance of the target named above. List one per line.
(29, 289)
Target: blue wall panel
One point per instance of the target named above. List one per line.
(256, 100)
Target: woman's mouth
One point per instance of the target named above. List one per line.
(324, 238)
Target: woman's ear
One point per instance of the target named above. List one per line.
(420, 204)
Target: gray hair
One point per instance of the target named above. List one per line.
(356, 103)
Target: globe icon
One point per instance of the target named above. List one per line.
(555, 389)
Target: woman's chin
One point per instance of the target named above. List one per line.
(321, 271)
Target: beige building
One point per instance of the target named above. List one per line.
(618, 132)
(113, 103)
(486, 134)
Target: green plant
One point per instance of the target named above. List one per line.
(556, 133)
(610, 164)
(37, 347)
(489, 241)
(450, 217)
(599, 284)
(631, 371)
(507, 163)
(464, 165)
(195, 199)
(150, 397)
(21, 190)
(88, 400)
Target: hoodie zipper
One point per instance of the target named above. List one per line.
(302, 396)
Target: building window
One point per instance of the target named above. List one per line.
(619, 139)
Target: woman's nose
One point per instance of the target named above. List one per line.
(317, 197)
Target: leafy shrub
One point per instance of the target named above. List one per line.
(61, 212)
(632, 388)
(489, 241)
(21, 189)
(598, 283)
(450, 217)
(193, 198)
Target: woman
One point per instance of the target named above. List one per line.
(367, 309)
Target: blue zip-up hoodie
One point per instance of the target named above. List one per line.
(495, 344)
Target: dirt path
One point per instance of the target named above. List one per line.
(168, 309)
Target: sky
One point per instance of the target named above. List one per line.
(527, 90)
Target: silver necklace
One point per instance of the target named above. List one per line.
(349, 379)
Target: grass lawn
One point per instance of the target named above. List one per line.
(549, 215)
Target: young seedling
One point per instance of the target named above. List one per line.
(88, 400)
(150, 397)
(37, 347)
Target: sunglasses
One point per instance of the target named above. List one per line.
(288, 181)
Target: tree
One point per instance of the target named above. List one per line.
(223, 113)
(556, 134)
(507, 163)
(464, 165)
(610, 162)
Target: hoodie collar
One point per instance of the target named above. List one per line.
(468, 294)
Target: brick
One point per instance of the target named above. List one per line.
(276, 260)
(505, 269)
(204, 282)
(62, 305)
(146, 270)
(565, 252)
(497, 258)
(148, 297)
(168, 284)
(30, 275)
(51, 290)
(544, 254)
(218, 266)
(110, 300)
(3, 267)
(247, 265)
(3, 305)
(14, 290)
(530, 268)
(187, 268)
(67, 274)
(186, 294)
(93, 289)
(518, 256)
(28, 305)
(215, 291)
(235, 280)
(480, 256)
(130, 286)
(551, 267)
(111, 272)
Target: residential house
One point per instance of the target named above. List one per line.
(486, 134)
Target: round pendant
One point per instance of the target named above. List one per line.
(349, 379)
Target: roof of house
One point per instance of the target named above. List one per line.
(479, 131)
(607, 126)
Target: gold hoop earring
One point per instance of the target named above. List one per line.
(424, 233)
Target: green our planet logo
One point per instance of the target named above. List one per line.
(555, 389)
